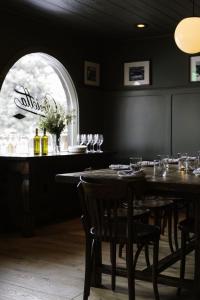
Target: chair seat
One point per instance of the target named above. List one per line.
(154, 203)
(137, 212)
(142, 233)
(187, 225)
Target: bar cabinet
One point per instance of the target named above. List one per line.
(29, 194)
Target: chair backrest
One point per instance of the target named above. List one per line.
(102, 203)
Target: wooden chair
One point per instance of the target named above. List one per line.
(103, 222)
(187, 229)
(161, 211)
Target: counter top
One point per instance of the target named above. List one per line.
(24, 157)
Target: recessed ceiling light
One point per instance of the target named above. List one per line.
(141, 25)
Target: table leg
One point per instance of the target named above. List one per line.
(197, 251)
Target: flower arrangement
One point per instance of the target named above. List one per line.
(55, 122)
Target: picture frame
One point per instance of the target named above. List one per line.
(91, 73)
(137, 73)
(195, 68)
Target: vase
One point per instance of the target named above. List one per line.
(56, 143)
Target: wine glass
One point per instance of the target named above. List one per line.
(94, 141)
(89, 142)
(83, 139)
(99, 143)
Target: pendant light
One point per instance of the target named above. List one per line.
(187, 34)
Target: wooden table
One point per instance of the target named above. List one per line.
(176, 183)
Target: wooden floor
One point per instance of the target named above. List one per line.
(50, 266)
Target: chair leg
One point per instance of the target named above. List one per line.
(146, 249)
(130, 272)
(169, 217)
(138, 251)
(176, 226)
(88, 267)
(155, 269)
(113, 264)
(96, 278)
(183, 254)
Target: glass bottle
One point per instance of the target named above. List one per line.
(44, 143)
(36, 143)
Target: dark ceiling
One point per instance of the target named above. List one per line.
(107, 18)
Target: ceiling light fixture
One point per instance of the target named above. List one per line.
(141, 25)
(187, 36)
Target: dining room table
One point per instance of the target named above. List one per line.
(175, 183)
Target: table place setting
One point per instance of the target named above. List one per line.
(131, 173)
(173, 160)
(119, 167)
(147, 163)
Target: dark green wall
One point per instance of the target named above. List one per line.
(170, 66)
(162, 118)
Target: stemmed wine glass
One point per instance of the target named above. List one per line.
(94, 140)
(83, 139)
(99, 143)
(89, 142)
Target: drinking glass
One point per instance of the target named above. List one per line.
(92, 143)
(24, 144)
(198, 159)
(99, 143)
(83, 139)
(3, 144)
(89, 142)
(183, 162)
(160, 166)
(135, 163)
(95, 140)
(165, 160)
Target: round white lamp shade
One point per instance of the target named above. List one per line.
(187, 35)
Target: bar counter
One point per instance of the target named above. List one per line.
(29, 194)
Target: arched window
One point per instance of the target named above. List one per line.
(34, 83)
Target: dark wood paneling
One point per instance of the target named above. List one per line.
(186, 123)
(138, 124)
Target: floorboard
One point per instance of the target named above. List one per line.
(50, 266)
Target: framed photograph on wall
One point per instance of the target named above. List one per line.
(137, 73)
(195, 68)
(91, 73)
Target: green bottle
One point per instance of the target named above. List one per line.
(36, 143)
(44, 143)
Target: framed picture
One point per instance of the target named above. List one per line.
(137, 73)
(91, 73)
(195, 68)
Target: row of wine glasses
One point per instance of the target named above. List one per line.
(92, 141)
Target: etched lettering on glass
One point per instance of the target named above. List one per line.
(27, 102)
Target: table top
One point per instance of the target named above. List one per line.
(175, 180)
